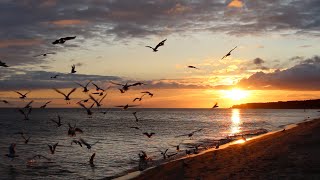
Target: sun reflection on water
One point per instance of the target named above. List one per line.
(235, 121)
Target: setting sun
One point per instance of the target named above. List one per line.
(236, 94)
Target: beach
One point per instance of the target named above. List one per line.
(289, 154)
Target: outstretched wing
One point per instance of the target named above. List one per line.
(232, 49)
(58, 91)
(92, 157)
(80, 84)
(19, 93)
(102, 98)
(160, 44)
(73, 90)
(149, 47)
(91, 97)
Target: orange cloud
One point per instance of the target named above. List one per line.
(236, 4)
(68, 22)
(19, 42)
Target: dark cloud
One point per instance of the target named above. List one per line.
(303, 76)
(258, 61)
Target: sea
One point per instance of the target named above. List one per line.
(116, 144)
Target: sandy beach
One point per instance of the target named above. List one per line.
(292, 154)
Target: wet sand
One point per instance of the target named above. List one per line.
(292, 154)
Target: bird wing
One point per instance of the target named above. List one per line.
(197, 131)
(69, 37)
(116, 83)
(92, 157)
(80, 84)
(21, 111)
(91, 97)
(132, 105)
(88, 83)
(82, 105)
(58, 91)
(160, 43)
(232, 49)
(149, 47)
(102, 98)
(119, 106)
(48, 102)
(38, 55)
(147, 92)
(84, 142)
(19, 93)
(73, 90)
(29, 103)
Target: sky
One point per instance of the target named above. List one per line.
(277, 56)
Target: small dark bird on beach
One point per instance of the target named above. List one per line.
(91, 159)
(26, 140)
(52, 147)
(190, 134)
(28, 105)
(22, 96)
(72, 130)
(12, 151)
(193, 67)
(73, 69)
(135, 116)
(97, 87)
(63, 40)
(149, 135)
(283, 130)
(98, 102)
(44, 54)
(229, 53)
(66, 97)
(3, 64)
(4, 101)
(215, 106)
(57, 122)
(89, 146)
(149, 93)
(25, 114)
(89, 112)
(76, 142)
(155, 49)
(217, 145)
(85, 87)
(54, 77)
(45, 105)
(125, 107)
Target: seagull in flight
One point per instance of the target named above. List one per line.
(52, 147)
(44, 54)
(45, 105)
(28, 105)
(125, 107)
(215, 106)
(98, 102)
(140, 98)
(22, 96)
(57, 122)
(135, 116)
(149, 93)
(193, 67)
(66, 97)
(73, 69)
(25, 114)
(3, 64)
(5, 101)
(26, 140)
(76, 142)
(85, 87)
(12, 151)
(190, 134)
(54, 77)
(63, 40)
(155, 49)
(72, 130)
(149, 135)
(91, 159)
(89, 112)
(229, 53)
(164, 153)
(89, 146)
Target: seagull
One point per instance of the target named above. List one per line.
(57, 122)
(73, 69)
(97, 87)
(215, 106)
(4, 101)
(76, 142)
(190, 134)
(52, 147)
(149, 93)
(54, 77)
(122, 91)
(135, 116)
(91, 159)
(12, 151)
(72, 130)
(89, 146)
(28, 105)
(125, 87)
(138, 84)
(155, 49)
(26, 140)
(22, 96)
(89, 112)
(125, 107)
(85, 87)
(100, 93)
(98, 102)
(164, 154)
(25, 114)
(149, 135)
(229, 53)
(193, 67)
(85, 100)
(45, 105)
(140, 98)
(3, 64)
(66, 97)
(63, 40)
(44, 54)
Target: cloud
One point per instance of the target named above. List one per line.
(258, 61)
(236, 4)
(68, 22)
(19, 42)
(303, 76)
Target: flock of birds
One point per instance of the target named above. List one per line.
(96, 98)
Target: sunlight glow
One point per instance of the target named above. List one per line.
(235, 121)
(236, 94)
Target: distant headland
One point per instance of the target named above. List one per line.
(304, 104)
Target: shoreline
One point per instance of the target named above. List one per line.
(172, 169)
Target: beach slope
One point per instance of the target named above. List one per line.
(292, 154)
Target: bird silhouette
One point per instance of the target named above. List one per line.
(57, 122)
(125, 107)
(140, 98)
(26, 140)
(72, 130)
(3, 64)
(22, 96)
(98, 102)
(190, 134)
(215, 106)
(164, 153)
(25, 114)
(229, 53)
(193, 67)
(5, 101)
(91, 159)
(66, 97)
(54, 77)
(52, 147)
(122, 91)
(28, 105)
(155, 49)
(89, 112)
(45, 105)
(85, 87)
(100, 93)
(76, 142)
(125, 87)
(149, 135)
(12, 151)
(149, 93)
(89, 146)
(44, 54)
(135, 116)
(63, 40)
(97, 87)
(73, 69)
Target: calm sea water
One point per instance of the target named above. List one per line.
(118, 146)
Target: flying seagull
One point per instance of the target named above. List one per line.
(52, 147)
(229, 53)
(190, 134)
(66, 97)
(149, 135)
(26, 140)
(44, 54)
(149, 93)
(72, 130)
(155, 49)
(57, 122)
(97, 87)
(98, 102)
(73, 69)
(25, 114)
(135, 116)
(85, 87)
(89, 146)
(215, 106)
(5, 101)
(193, 67)
(125, 87)
(28, 105)
(89, 112)
(3, 64)
(63, 40)
(125, 107)
(45, 105)
(22, 96)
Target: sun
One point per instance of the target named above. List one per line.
(236, 94)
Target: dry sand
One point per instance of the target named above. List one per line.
(292, 154)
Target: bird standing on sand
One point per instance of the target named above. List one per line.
(66, 97)
(22, 96)
(3, 64)
(155, 49)
(52, 147)
(229, 53)
(45, 105)
(73, 69)
(63, 40)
